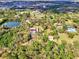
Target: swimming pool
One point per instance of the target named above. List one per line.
(11, 24)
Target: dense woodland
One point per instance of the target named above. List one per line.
(51, 40)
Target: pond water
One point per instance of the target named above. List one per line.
(11, 24)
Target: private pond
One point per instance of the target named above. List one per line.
(11, 24)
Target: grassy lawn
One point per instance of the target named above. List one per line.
(65, 37)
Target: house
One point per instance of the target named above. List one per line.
(39, 28)
(33, 33)
(50, 37)
(58, 25)
(28, 21)
(17, 16)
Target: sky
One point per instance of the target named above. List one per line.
(40, 0)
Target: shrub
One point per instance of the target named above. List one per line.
(71, 35)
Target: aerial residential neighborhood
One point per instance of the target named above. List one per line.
(39, 29)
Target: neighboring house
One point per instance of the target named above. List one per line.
(58, 25)
(51, 38)
(33, 33)
(17, 16)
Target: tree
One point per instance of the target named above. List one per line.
(71, 35)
